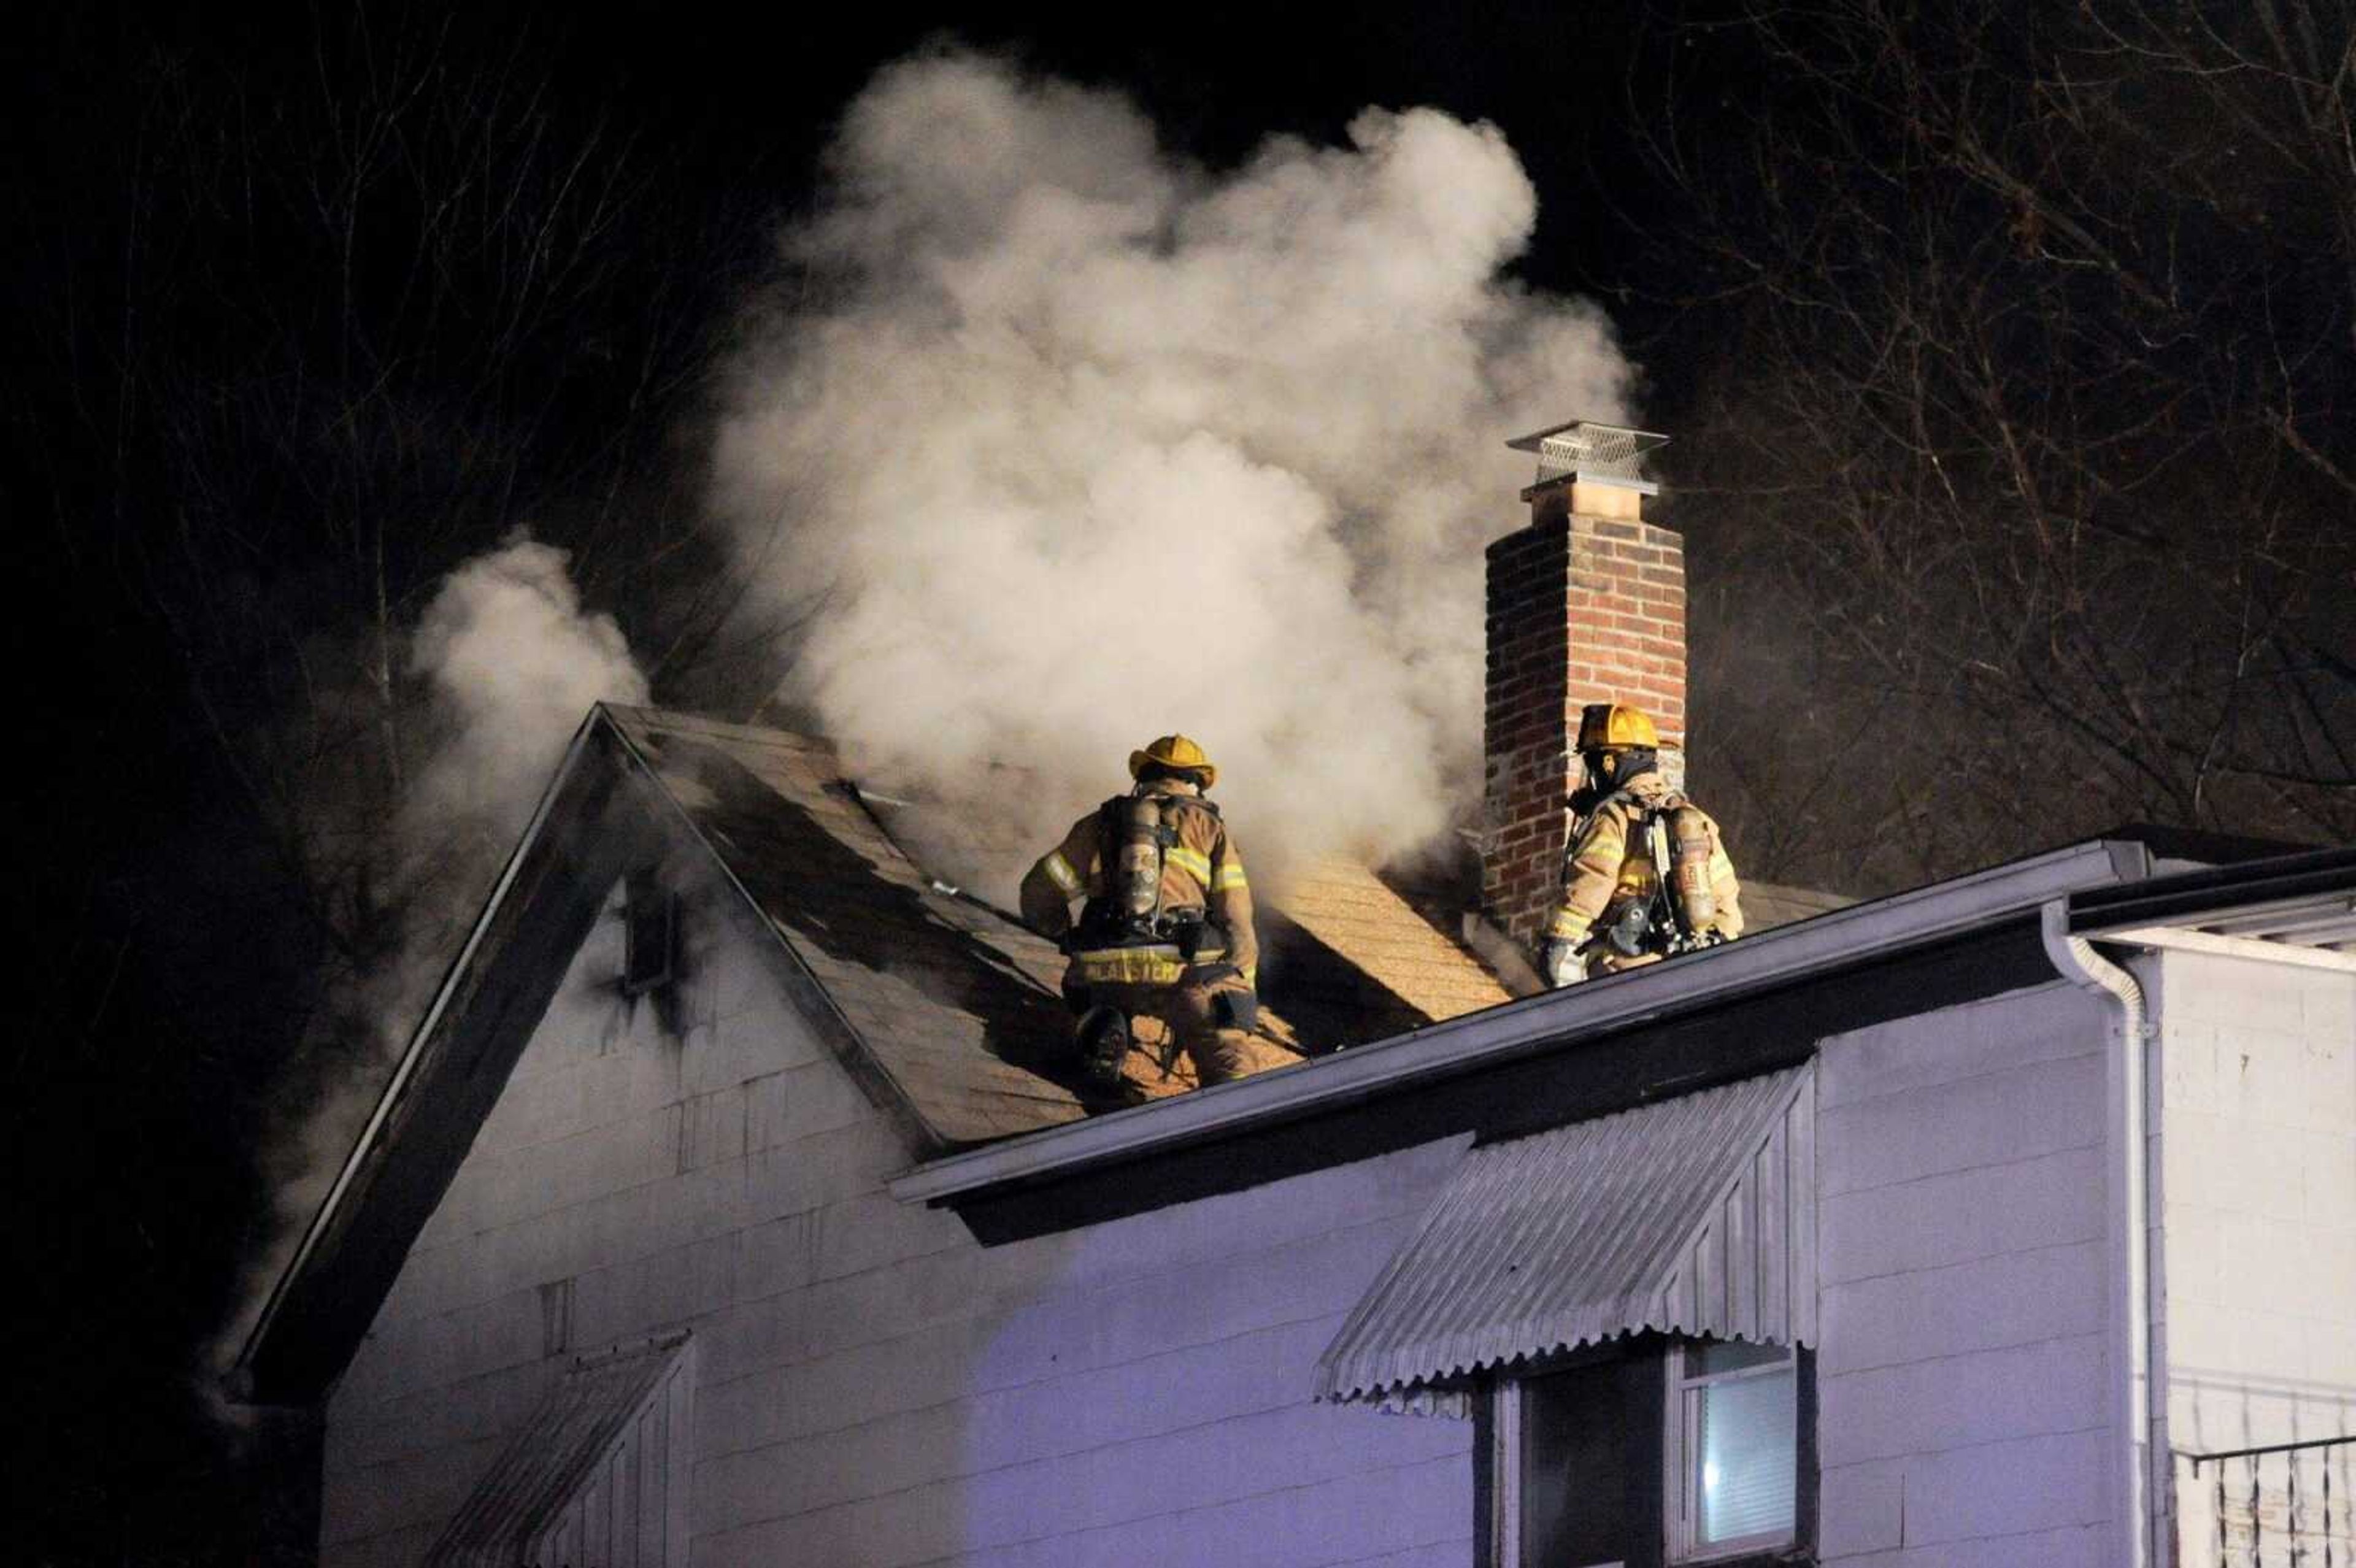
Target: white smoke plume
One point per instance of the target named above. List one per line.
(509, 662)
(513, 664)
(1084, 443)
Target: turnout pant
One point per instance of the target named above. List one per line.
(1193, 1013)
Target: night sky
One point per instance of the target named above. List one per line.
(200, 386)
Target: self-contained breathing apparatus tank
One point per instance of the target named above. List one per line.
(1664, 903)
(1130, 938)
(1137, 875)
(1689, 884)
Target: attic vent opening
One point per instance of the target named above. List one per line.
(649, 932)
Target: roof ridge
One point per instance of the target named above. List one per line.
(684, 721)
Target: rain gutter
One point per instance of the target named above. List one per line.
(2132, 1238)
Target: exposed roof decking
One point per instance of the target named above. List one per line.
(958, 1003)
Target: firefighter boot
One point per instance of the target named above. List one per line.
(1214, 1013)
(1219, 1057)
(1104, 1045)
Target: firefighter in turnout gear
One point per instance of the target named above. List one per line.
(1165, 929)
(1647, 875)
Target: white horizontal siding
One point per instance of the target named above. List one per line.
(875, 1388)
(1961, 1379)
(1050, 1404)
(2000, 1035)
(873, 1385)
(2075, 1546)
(1988, 1119)
(1454, 1552)
(1084, 1412)
(1961, 1217)
(1289, 1519)
(2044, 1386)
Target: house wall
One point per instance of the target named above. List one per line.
(2257, 1196)
(874, 1387)
(1962, 1261)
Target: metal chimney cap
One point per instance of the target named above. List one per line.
(1593, 454)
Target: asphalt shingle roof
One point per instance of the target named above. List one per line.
(955, 1001)
(958, 1005)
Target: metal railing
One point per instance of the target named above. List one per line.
(2283, 1505)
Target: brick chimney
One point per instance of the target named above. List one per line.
(1586, 604)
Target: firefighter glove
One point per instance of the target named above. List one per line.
(1235, 1009)
(1562, 963)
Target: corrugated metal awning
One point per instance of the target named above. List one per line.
(588, 1477)
(1694, 1216)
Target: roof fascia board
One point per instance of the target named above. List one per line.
(816, 1003)
(1564, 1080)
(329, 1210)
(2180, 940)
(1771, 959)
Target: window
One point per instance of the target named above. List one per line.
(1649, 1453)
(649, 933)
(1733, 1449)
(1574, 1443)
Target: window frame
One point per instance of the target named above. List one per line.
(1502, 1421)
(1680, 1426)
(1500, 1445)
(1497, 1456)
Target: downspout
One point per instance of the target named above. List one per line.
(2130, 1233)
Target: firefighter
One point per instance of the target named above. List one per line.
(1647, 875)
(1165, 930)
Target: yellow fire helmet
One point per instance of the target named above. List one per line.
(1179, 755)
(1603, 726)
